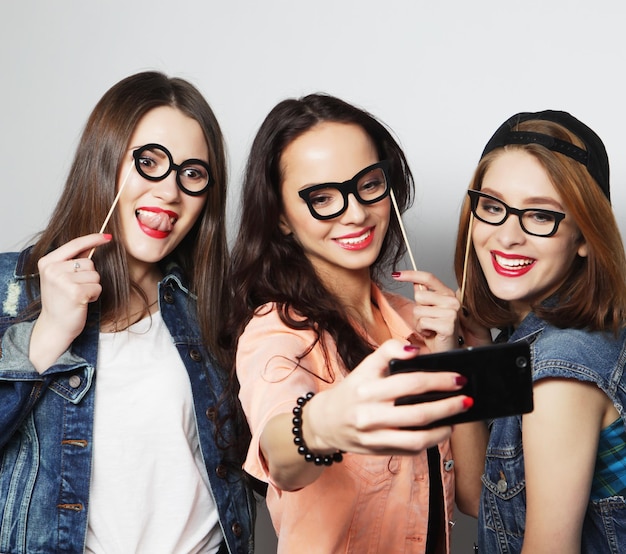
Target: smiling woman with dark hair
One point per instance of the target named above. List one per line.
(316, 334)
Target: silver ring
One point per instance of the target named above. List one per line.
(76, 267)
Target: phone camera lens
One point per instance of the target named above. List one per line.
(521, 362)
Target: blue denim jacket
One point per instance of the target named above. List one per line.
(574, 354)
(46, 426)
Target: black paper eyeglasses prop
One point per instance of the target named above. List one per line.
(155, 162)
(533, 221)
(370, 185)
(493, 211)
(330, 200)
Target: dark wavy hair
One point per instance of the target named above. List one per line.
(593, 296)
(91, 187)
(269, 266)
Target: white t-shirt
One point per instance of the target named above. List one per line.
(149, 490)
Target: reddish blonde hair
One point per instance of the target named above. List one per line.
(594, 294)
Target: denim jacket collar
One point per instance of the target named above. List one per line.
(531, 325)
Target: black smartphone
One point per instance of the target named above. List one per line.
(499, 379)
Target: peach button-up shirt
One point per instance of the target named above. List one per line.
(365, 504)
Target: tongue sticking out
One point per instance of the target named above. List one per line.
(158, 221)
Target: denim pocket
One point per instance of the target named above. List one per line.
(20, 468)
(604, 529)
(503, 503)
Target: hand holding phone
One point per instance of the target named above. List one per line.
(499, 379)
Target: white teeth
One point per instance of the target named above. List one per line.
(507, 262)
(356, 240)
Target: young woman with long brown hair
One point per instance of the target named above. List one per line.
(116, 434)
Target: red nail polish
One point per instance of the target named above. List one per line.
(468, 402)
(107, 236)
(411, 348)
(395, 274)
(461, 380)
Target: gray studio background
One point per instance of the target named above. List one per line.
(443, 75)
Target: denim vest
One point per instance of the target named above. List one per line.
(46, 426)
(594, 357)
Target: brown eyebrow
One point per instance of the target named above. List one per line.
(529, 201)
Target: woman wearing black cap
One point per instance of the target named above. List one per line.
(539, 256)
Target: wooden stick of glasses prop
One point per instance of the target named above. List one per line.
(408, 248)
(403, 230)
(117, 197)
(406, 240)
(468, 243)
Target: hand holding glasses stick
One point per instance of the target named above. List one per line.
(406, 242)
(117, 197)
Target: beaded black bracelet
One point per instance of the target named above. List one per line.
(327, 459)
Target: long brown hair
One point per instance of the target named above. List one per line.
(91, 187)
(593, 296)
(269, 266)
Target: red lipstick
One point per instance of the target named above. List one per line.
(356, 241)
(522, 266)
(156, 222)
